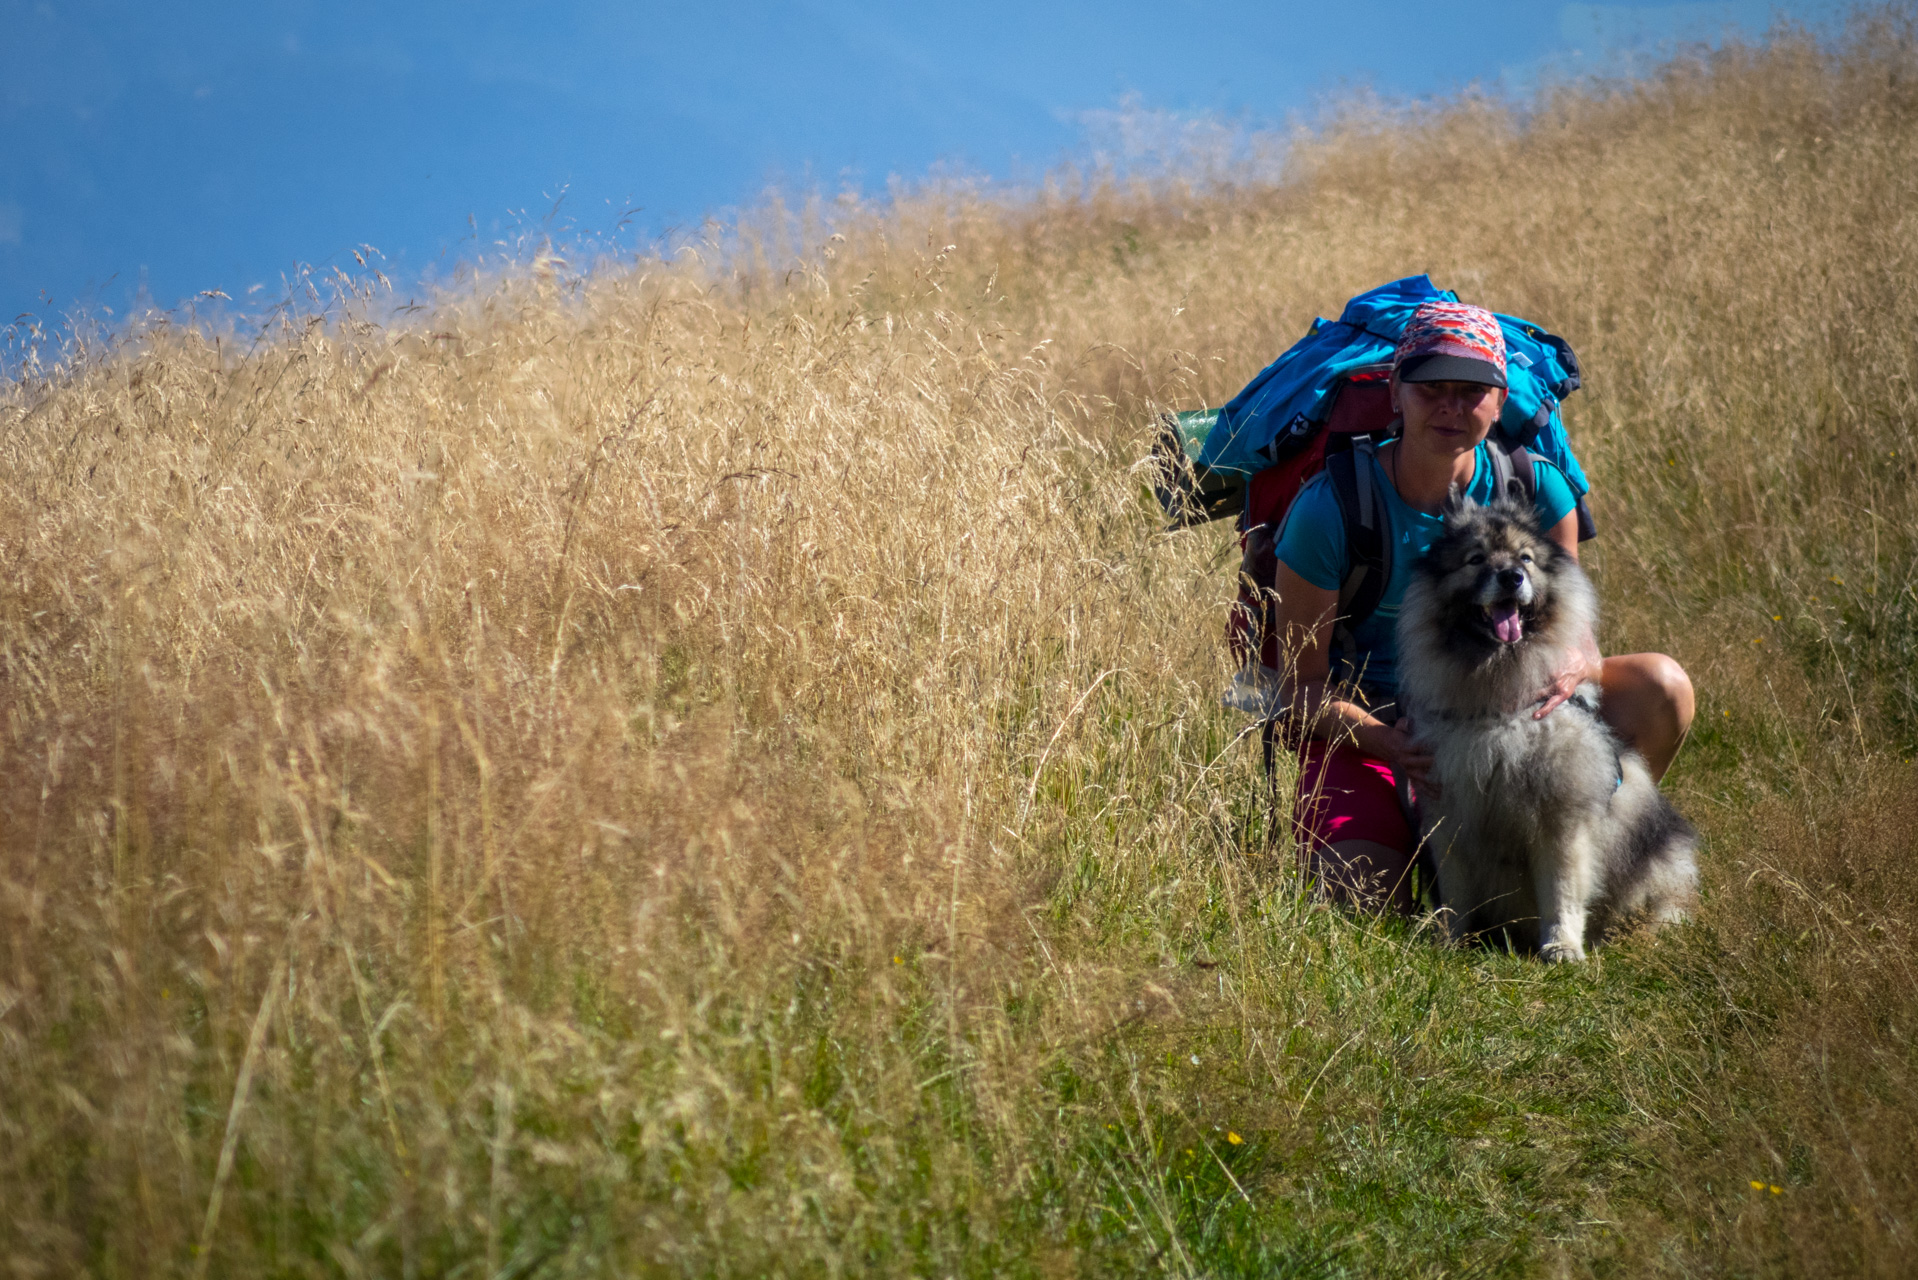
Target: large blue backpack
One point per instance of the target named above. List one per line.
(1318, 406)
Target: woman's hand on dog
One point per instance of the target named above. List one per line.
(1394, 744)
(1578, 665)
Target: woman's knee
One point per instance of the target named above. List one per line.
(1650, 687)
(1672, 689)
(1650, 702)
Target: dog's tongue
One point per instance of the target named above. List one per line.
(1506, 625)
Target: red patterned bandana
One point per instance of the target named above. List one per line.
(1456, 330)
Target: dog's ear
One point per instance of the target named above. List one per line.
(1457, 504)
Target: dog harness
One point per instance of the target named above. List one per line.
(1589, 705)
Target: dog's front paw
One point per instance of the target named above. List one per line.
(1561, 952)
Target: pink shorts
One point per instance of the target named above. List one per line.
(1344, 796)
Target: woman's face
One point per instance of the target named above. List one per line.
(1453, 416)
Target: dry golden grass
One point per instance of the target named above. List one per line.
(715, 770)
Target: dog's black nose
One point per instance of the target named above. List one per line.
(1511, 579)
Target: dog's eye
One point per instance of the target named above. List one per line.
(1477, 557)
(1525, 557)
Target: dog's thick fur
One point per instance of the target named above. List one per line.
(1548, 831)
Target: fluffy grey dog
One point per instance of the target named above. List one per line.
(1548, 831)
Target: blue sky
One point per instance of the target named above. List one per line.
(170, 149)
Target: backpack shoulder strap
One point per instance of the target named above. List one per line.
(1524, 476)
(1368, 545)
(1513, 474)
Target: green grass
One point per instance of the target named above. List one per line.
(1406, 1108)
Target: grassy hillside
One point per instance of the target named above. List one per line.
(714, 768)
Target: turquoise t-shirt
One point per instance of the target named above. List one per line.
(1312, 543)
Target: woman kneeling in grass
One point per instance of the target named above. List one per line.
(1448, 388)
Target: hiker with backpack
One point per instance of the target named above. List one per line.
(1336, 460)
(1336, 678)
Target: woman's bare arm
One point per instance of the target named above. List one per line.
(1305, 617)
(1565, 534)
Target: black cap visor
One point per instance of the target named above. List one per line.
(1442, 368)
